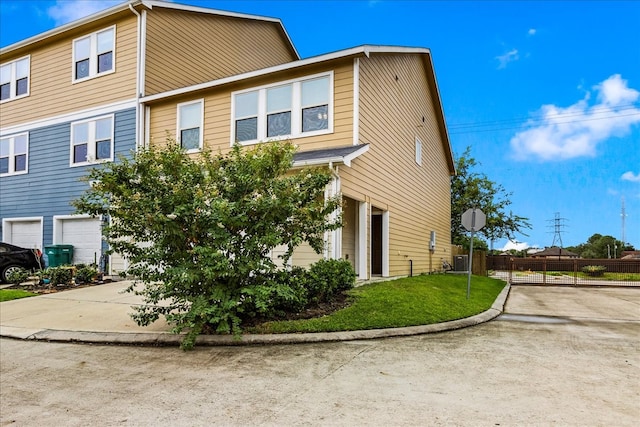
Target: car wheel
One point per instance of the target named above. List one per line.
(8, 270)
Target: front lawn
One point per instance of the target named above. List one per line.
(9, 294)
(411, 301)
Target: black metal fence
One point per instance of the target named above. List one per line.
(576, 271)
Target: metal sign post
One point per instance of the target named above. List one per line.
(472, 220)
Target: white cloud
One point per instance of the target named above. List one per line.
(65, 11)
(630, 176)
(532, 31)
(510, 56)
(575, 131)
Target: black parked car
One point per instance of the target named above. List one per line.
(13, 258)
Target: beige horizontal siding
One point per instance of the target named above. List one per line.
(52, 92)
(417, 197)
(304, 256)
(186, 48)
(217, 114)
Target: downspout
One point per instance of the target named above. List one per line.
(331, 191)
(139, 108)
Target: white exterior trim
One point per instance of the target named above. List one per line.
(70, 117)
(7, 232)
(385, 244)
(57, 229)
(356, 100)
(296, 110)
(361, 252)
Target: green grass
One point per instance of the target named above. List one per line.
(419, 300)
(9, 294)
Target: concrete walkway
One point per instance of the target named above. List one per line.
(101, 314)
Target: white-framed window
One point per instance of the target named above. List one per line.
(14, 154)
(94, 55)
(92, 141)
(418, 151)
(14, 79)
(190, 119)
(290, 109)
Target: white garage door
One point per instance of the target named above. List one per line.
(26, 234)
(84, 235)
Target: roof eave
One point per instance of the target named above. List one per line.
(71, 25)
(359, 50)
(345, 160)
(149, 4)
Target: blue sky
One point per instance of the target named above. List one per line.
(546, 94)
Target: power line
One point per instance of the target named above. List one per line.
(540, 121)
(596, 110)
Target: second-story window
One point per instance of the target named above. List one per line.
(294, 108)
(14, 152)
(14, 79)
(93, 55)
(190, 125)
(92, 141)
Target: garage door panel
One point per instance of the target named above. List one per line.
(84, 235)
(26, 234)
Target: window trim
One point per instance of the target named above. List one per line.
(13, 81)
(12, 155)
(93, 56)
(201, 125)
(91, 143)
(296, 110)
(418, 151)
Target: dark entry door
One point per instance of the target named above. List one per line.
(376, 244)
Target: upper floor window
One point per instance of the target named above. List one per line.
(14, 152)
(14, 79)
(190, 125)
(290, 109)
(92, 141)
(418, 151)
(93, 55)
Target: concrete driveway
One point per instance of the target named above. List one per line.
(558, 356)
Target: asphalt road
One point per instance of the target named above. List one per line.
(559, 356)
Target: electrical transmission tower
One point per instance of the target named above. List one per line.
(558, 226)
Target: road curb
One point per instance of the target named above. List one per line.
(169, 339)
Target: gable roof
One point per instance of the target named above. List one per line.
(138, 5)
(364, 50)
(554, 251)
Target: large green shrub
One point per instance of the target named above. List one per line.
(328, 278)
(59, 275)
(278, 294)
(209, 224)
(594, 270)
(85, 273)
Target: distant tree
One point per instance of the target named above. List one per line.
(599, 246)
(198, 231)
(469, 189)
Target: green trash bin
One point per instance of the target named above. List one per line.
(58, 255)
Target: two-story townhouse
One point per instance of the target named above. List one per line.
(372, 114)
(70, 99)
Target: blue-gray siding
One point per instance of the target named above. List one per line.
(51, 183)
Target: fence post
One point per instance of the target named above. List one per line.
(510, 270)
(575, 272)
